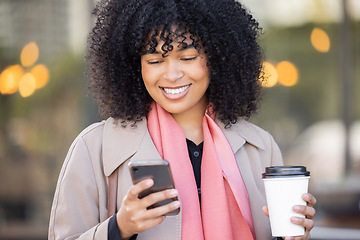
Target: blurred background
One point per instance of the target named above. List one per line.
(310, 104)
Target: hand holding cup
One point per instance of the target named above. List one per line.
(290, 207)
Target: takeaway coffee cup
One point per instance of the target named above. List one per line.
(284, 187)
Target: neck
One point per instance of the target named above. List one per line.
(191, 122)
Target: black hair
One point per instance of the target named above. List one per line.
(125, 29)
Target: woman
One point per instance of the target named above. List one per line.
(175, 79)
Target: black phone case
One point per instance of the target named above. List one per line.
(159, 171)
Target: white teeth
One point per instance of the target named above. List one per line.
(176, 91)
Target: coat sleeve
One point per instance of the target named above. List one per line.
(79, 204)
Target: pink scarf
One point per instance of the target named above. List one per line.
(225, 209)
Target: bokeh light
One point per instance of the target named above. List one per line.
(41, 74)
(10, 78)
(270, 75)
(320, 40)
(15, 78)
(29, 54)
(27, 85)
(288, 74)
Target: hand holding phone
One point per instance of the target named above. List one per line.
(157, 170)
(134, 216)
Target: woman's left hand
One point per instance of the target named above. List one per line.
(306, 222)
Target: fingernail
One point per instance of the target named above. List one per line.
(306, 196)
(294, 219)
(176, 204)
(173, 192)
(297, 208)
(149, 182)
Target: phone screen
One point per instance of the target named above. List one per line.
(159, 171)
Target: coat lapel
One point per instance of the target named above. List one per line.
(240, 133)
(147, 150)
(119, 144)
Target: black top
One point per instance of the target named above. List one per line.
(195, 154)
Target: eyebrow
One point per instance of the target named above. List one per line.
(188, 46)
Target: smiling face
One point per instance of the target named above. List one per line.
(177, 81)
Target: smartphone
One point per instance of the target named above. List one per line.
(159, 171)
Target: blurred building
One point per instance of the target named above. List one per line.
(53, 24)
(42, 21)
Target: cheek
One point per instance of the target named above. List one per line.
(150, 81)
(146, 76)
(204, 67)
(150, 74)
(203, 72)
(143, 71)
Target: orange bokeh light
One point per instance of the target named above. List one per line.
(27, 85)
(29, 54)
(269, 75)
(287, 73)
(41, 74)
(320, 40)
(10, 78)
(14, 78)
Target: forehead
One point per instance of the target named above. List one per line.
(167, 39)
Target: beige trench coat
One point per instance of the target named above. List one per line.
(79, 209)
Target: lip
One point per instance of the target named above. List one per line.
(175, 93)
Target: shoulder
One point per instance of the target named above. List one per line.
(88, 142)
(253, 134)
(110, 136)
(258, 135)
(92, 137)
(95, 129)
(244, 124)
(99, 130)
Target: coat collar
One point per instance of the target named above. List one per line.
(240, 133)
(119, 143)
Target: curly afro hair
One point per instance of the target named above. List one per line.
(125, 29)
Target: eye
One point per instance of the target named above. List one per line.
(188, 58)
(154, 62)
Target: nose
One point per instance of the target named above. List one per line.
(173, 71)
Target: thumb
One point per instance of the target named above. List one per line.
(265, 210)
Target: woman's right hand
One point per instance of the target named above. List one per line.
(134, 217)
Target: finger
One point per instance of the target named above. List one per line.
(158, 196)
(139, 187)
(162, 210)
(289, 238)
(310, 199)
(139, 224)
(153, 222)
(145, 224)
(309, 212)
(306, 236)
(265, 210)
(305, 222)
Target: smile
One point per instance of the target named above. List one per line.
(176, 90)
